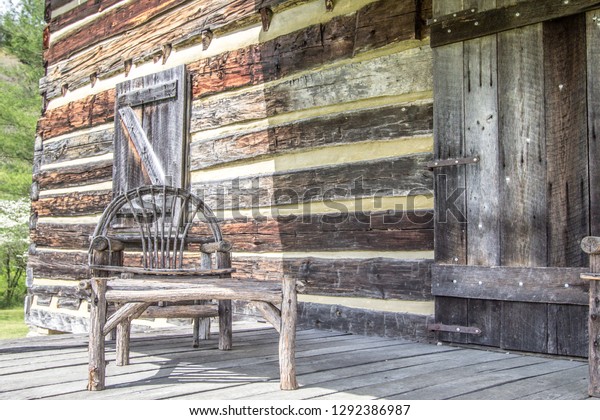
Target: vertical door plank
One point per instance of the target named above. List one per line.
(568, 330)
(523, 209)
(593, 92)
(165, 124)
(487, 315)
(452, 311)
(566, 140)
(450, 201)
(481, 138)
(525, 326)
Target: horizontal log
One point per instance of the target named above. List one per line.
(73, 176)
(84, 10)
(221, 246)
(103, 243)
(175, 273)
(375, 25)
(520, 284)
(96, 143)
(354, 231)
(179, 27)
(60, 291)
(365, 322)
(385, 123)
(72, 204)
(400, 176)
(60, 265)
(395, 74)
(91, 111)
(57, 321)
(184, 311)
(121, 314)
(379, 278)
(270, 313)
(113, 23)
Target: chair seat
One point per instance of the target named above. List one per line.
(153, 289)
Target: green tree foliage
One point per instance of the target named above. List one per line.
(21, 67)
(20, 70)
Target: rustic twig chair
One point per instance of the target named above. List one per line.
(158, 244)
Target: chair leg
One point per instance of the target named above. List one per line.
(225, 327)
(123, 338)
(287, 336)
(97, 360)
(201, 329)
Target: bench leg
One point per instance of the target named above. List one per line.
(97, 361)
(123, 337)
(594, 332)
(287, 336)
(225, 327)
(201, 327)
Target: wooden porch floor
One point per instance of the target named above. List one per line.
(330, 366)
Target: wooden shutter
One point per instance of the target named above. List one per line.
(151, 135)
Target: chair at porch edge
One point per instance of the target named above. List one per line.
(157, 244)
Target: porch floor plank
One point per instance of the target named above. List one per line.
(330, 365)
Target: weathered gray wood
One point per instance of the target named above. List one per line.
(384, 123)
(97, 361)
(523, 203)
(201, 326)
(594, 321)
(524, 13)
(269, 312)
(352, 82)
(568, 330)
(164, 124)
(221, 246)
(566, 140)
(182, 311)
(287, 335)
(593, 103)
(481, 139)
(125, 311)
(525, 326)
(448, 123)
(147, 95)
(96, 143)
(525, 284)
(223, 260)
(453, 311)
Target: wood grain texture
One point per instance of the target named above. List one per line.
(448, 123)
(453, 311)
(73, 204)
(91, 111)
(481, 139)
(77, 175)
(59, 265)
(96, 143)
(524, 284)
(593, 102)
(566, 140)
(522, 134)
(88, 8)
(350, 82)
(568, 330)
(379, 278)
(525, 326)
(317, 45)
(383, 178)
(389, 122)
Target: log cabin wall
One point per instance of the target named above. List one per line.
(311, 125)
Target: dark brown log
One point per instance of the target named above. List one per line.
(96, 143)
(341, 37)
(386, 123)
(72, 176)
(88, 112)
(566, 140)
(406, 175)
(113, 23)
(73, 204)
(61, 265)
(71, 292)
(80, 12)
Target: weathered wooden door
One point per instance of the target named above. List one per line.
(517, 113)
(151, 134)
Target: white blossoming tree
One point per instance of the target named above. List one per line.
(14, 216)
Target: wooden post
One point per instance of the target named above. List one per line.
(97, 362)
(123, 336)
(225, 312)
(201, 327)
(591, 245)
(287, 335)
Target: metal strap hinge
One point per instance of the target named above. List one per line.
(454, 329)
(453, 162)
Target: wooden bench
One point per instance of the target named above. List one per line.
(156, 247)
